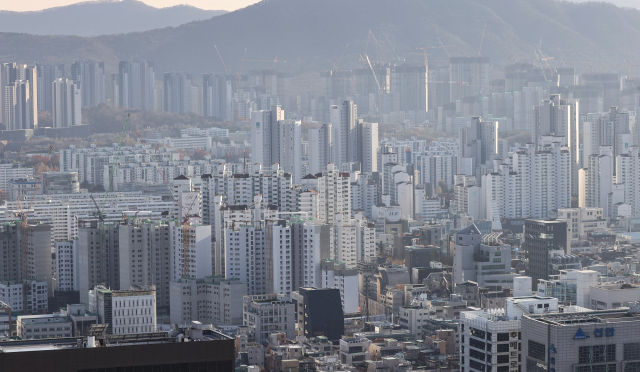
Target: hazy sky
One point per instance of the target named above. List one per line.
(25, 5)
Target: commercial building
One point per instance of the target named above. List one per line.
(43, 326)
(319, 312)
(491, 339)
(213, 351)
(544, 239)
(125, 311)
(588, 341)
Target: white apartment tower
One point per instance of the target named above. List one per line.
(559, 117)
(334, 194)
(66, 103)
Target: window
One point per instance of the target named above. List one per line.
(477, 344)
(475, 365)
(477, 333)
(537, 350)
(476, 354)
(503, 348)
(503, 359)
(632, 351)
(597, 354)
(503, 337)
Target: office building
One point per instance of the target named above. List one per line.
(542, 240)
(318, 312)
(270, 313)
(135, 85)
(213, 351)
(602, 340)
(211, 300)
(125, 311)
(90, 75)
(178, 93)
(481, 258)
(491, 339)
(66, 103)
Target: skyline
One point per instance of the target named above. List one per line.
(38, 5)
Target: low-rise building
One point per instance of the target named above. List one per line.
(5, 319)
(43, 326)
(125, 311)
(268, 314)
(354, 350)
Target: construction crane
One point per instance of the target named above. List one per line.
(628, 66)
(185, 216)
(335, 65)
(377, 82)
(222, 60)
(482, 40)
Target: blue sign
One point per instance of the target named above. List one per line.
(552, 349)
(580, 335)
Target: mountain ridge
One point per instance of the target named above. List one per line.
(104, 17)
(310, 34)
